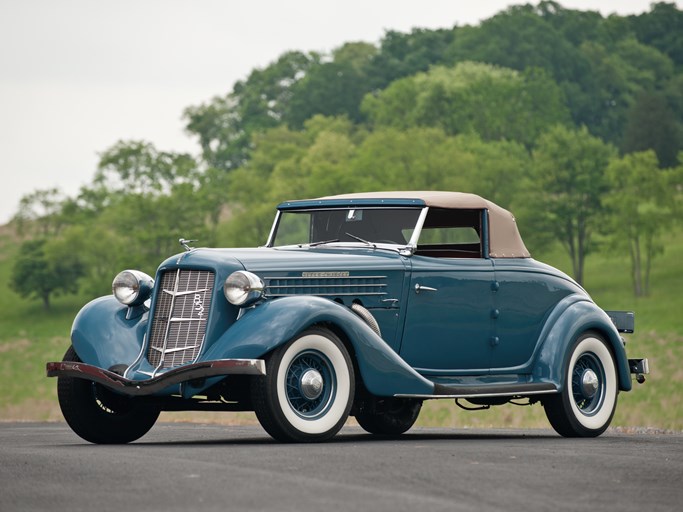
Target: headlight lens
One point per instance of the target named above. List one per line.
(243, 288)
(132, 287)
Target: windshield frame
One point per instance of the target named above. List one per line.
(406, 249)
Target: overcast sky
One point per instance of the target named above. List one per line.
(76, 76)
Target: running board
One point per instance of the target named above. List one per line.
(442, 391)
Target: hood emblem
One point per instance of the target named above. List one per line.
(198, 303)
(323, 275)
(185, 243)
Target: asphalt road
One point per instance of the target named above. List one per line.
(188, 467)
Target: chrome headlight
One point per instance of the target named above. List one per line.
(243, 288)
(132, 287)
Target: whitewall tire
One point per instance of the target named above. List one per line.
(308, 389)
(586, 405)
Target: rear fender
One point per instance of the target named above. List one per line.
(275, 322)
(103, 337)
(573, 316)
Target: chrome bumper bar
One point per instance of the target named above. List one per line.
(120, 384)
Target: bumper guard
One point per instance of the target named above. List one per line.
(639, 367)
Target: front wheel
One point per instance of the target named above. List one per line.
(99, 415)
(308, 389)
(586, 405)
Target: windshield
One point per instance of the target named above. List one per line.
(361, 225)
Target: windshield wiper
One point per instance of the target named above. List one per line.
(361, 240)
(322, 242)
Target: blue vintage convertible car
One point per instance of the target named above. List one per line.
(361, 304)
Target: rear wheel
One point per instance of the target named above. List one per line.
(99, 415)
(308, 389)
(586, 405)
(390, 416)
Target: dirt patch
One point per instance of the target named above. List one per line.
(19, 344)
(211, 418)
(665, 340)
(32, 410)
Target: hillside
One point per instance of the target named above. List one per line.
(572, 120)
(31, 336)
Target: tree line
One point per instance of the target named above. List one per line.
(572, 120)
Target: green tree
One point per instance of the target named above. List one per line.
(619, 72)
(137, 167)
(566, 190)
(225, 125)
(651, 124)
(333, 88)
(38, 274)
(405, 54)
(496, 103)
(497, 169)
(641, 205)
(251, 189)
(519, 38)
(39, 213)
(102, 253)
(661, 28)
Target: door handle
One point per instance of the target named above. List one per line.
(419, 288)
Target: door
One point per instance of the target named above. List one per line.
(449, 318)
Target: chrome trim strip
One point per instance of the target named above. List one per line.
(412, 243)
(345, 277)
(180, 294)
(474, 395)
(271, 236)
(327, 286)
(325, 294)
(143, 348)
(177, 349)
(154, 385)
(168, 324)
(479, 395)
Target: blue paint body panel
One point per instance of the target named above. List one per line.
(448, 331)
(572, 317)
(478, 321)
(271, 324)
(102, 336)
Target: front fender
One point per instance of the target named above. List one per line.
(573, 316)
(103, 337)
(273, 323)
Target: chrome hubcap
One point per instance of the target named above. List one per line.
(589, 383)
(311, 384)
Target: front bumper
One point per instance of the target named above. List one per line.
(150, 386)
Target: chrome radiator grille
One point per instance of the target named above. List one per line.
(180, 314)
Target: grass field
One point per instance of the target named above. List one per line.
(31, 336)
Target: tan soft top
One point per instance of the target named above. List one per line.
(504, 238)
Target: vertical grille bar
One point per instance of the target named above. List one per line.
(180, 315)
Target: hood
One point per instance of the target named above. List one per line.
(346, 275)
(291, 260)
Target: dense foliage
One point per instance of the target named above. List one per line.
(571, 119)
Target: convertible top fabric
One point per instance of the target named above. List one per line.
(504, 238)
